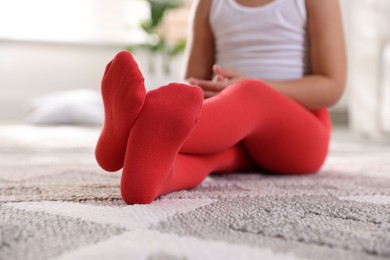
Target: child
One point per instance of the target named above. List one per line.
(281, 63)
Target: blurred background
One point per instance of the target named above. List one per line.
(53, 54)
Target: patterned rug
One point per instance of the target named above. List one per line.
(55, 203)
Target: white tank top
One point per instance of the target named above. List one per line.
(267, 42)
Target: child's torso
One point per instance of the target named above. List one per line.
(263, 39)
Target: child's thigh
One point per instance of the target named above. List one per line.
(293, 141)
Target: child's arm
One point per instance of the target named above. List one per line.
(200, 54)
(326, 83)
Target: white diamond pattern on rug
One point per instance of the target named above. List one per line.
(129, 217)
(144, 244)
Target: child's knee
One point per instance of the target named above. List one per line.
(250, 88)
(309, 165)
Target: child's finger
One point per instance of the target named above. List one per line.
(225, 72)
(219, 78)
(210, 85)
(192, 81)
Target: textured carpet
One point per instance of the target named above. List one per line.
(55, 203)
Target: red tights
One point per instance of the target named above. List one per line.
(171, 139)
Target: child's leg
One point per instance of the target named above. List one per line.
(187, 172)
(168, 116)
(251, 109)
(123, 94)
(280, 135)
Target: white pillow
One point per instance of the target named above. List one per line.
(82, 106)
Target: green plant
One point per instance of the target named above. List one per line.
(156, 42)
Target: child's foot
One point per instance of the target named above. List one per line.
(123, 94)
(169, 115)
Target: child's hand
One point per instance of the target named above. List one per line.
(223, 78)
